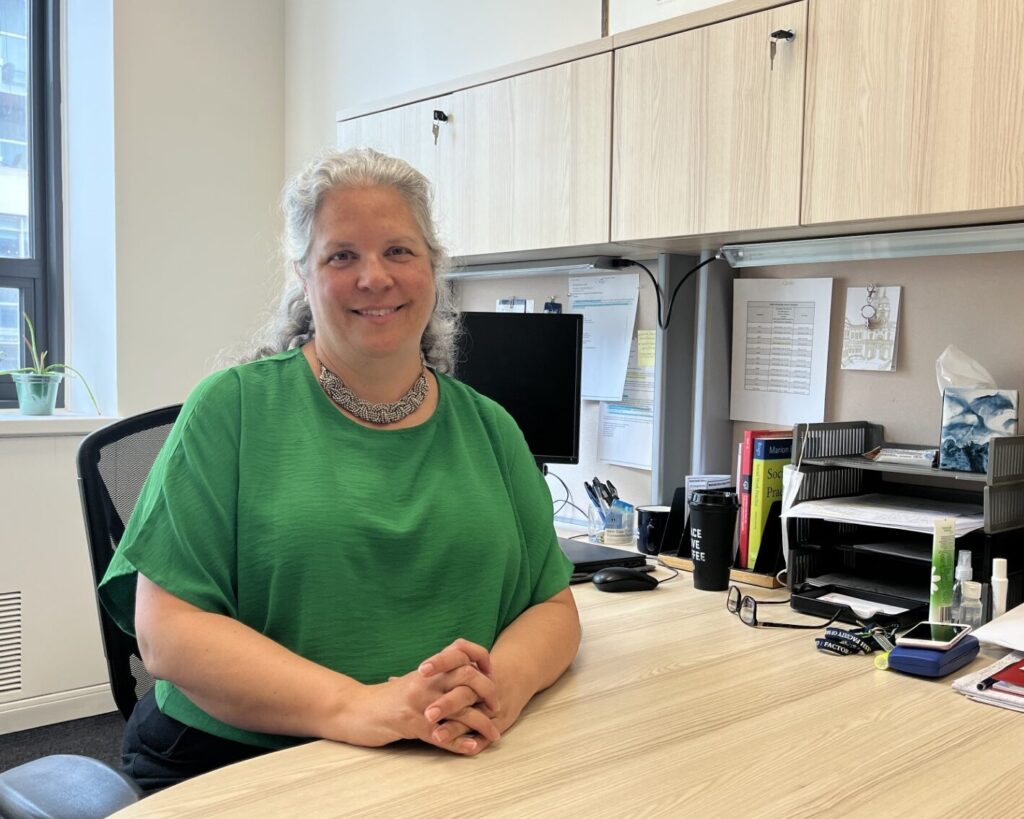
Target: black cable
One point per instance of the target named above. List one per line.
(672, 300)
(664, 565)
(567, 501)
(657, 290)
(565, 486)
(574, 506)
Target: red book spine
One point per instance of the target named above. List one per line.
(746, 464)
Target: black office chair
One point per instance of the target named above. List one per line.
(113, 462)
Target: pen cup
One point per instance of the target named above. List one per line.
(621, 534)
(620, 527)
(595, 525)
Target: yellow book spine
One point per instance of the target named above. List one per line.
(765, 489)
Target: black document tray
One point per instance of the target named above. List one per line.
(805, 599)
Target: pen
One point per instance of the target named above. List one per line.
(594, 499)
(986, 683)
(612, 489)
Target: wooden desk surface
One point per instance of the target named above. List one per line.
(673, 707)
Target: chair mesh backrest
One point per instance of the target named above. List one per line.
(112, 466)
(124, 465)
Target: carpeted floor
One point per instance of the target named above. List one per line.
(98, 737)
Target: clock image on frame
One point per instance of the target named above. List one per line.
(869, 329)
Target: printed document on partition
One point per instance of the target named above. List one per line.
(608, 305)
(779, 350)
(626, 428)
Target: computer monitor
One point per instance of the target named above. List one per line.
(531, 364)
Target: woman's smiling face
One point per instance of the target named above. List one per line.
(368, 276)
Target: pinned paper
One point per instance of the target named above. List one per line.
(513, 305)
(608, 305)
(645, 348)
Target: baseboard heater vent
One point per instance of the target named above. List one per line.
(10, 641)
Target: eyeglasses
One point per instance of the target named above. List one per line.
(745, 607)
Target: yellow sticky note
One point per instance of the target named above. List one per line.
(645, 348)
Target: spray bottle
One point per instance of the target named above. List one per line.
(963, 572)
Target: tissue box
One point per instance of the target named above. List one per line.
(970, 417)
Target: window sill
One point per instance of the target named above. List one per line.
(13, 425)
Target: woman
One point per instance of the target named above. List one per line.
(337, 539)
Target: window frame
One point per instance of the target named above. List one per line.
(41, 277)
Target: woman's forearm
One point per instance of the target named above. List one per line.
(245, 679)
(536, 649)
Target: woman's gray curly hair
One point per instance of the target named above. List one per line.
(292, 324)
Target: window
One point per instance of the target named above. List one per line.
(30, 203)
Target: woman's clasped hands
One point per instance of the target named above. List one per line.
(464, 718)
(451, 700)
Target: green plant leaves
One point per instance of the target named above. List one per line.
(40, 367)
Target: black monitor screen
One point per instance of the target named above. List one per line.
(530, 363)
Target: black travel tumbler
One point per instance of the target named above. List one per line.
(712, 526)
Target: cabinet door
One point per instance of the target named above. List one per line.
(708, 129)
(531, 159)
(407, 132)
(913, 107)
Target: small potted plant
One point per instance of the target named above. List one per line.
(37, 385)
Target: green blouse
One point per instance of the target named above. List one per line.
(364, 550)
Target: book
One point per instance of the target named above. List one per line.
(770, 455)
(1010, 680)
(968, 684)
(746, 462)
(1008, 688)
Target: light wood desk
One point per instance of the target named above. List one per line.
(673, 707)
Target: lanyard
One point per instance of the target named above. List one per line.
(844, 642)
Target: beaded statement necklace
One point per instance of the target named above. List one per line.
(386, 413)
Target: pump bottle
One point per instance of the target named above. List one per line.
(999, 586)
(963, 572)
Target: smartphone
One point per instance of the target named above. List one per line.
(939, 636)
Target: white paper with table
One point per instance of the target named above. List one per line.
(779, 349)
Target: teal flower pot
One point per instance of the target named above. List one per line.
(37, 394)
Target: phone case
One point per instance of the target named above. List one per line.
(908, 641)
(928, 662)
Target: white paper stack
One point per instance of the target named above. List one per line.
(968, 685)
(892, 512)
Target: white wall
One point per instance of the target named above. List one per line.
(197, 164)
(626, 14)
(341, 54)
(199, 150)
(89, 252)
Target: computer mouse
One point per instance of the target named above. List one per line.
(623, 579)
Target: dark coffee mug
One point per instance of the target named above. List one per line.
(650, 528)
(712, 524)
